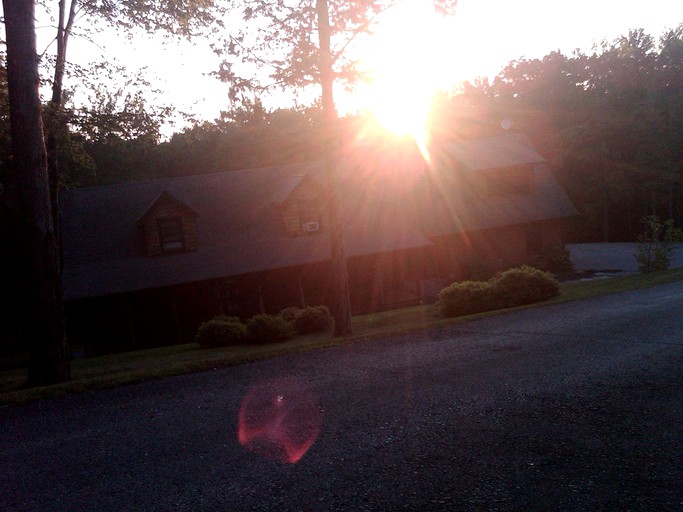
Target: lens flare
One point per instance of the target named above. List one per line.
(279, 420)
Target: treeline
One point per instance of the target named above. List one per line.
(611, 121)
(243, 138)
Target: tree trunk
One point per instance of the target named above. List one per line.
(605, 203)
(49, 361)
(341, 306)
(64, 26)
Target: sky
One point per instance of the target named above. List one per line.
(482, 37)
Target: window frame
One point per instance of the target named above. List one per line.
(176, 223)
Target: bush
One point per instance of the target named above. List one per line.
(227, 319)
(268, 329)
(513, 287)
(221, 332)
(289, 314)
(558, 260)
(524, 285)
(655, 246)
(313, 319)
(466, 298)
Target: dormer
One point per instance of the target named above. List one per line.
(302, 210)
(168, 226)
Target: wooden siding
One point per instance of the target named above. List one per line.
(165, 209)
(480, 254)
(306, 193)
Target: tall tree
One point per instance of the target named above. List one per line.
(284, 48)
(340, 276)
(49, 360)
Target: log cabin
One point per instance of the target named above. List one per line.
(145, 263)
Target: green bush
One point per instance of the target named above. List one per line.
(227, 319)
(289, 314)
(466, 298)
(513, 287)
(656, 244)
(313, 319)
(268, 329)
(557, 259)
(524, 285)
(221, 332)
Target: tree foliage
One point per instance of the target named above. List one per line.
(656, 243)
(615, 137)
(86, 19)
(185, 18)
(280, 44)
(611, 121)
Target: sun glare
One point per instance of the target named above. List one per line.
(405, 62)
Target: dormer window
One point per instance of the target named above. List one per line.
(171, 236)
(302, 209)
(168, 226)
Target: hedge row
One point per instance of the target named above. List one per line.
(513, 287)
(222, 330)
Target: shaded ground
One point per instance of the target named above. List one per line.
(572, 407)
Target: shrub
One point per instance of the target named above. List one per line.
(289, 314)
(220, 332)
(467, 297)
(268, 329)
(655, 246)
(524, 285)
(313, 319)
(558, 260)
(227, 319)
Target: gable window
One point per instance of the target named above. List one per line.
(171, 234)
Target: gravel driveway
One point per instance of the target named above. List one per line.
(568, 407)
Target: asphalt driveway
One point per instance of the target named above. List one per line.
(570, 407)
(613, 257)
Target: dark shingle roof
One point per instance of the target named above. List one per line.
(166, 197)
(238, 230)
(458, 209)
(508, 150)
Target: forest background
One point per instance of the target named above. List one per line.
(611, 123)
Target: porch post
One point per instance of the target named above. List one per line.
(219, 299)
(176, 319)
(129, 319)
(261, 304)
(301, 290)
(381, 287)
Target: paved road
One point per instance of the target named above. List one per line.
(572, 407)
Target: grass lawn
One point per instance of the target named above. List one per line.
(117, 369)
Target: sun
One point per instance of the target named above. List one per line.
(405, 60)
(401, 106)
